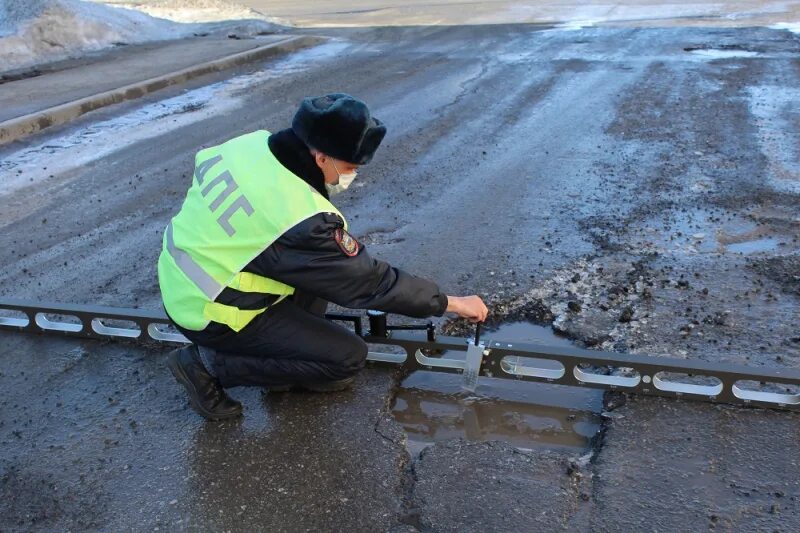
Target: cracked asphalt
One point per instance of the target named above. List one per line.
(637, 188)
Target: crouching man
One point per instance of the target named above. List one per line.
(257, 251)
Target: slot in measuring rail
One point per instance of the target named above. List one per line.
(87, 321)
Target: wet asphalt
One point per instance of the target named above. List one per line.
(653, 186)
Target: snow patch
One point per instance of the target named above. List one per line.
(38, 31)
(793, 27)
(576, 24)
(716, 53)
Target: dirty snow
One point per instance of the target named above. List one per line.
(38, 31)
(191, 10)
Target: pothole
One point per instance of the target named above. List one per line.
(432, 407)
(380, 237)
(711, 231)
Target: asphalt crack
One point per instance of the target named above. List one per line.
(408, 513)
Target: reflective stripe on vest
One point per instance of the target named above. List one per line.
(191, 269)
(241, 200)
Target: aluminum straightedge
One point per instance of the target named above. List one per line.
(635, 373)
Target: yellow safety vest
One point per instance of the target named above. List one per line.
(241, 200)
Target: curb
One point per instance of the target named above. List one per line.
(17, 128)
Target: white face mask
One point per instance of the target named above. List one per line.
(344, 182)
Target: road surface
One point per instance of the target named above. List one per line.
(650, 173)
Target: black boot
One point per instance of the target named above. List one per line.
(206, 395)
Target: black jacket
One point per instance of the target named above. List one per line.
(308, 258)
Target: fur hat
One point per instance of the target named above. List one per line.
(340, 126)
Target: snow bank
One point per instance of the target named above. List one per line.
(38, 31)
(191, 10)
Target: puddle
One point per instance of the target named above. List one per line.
(747, 238)
(755, 246)
(432, 407)
(711, 231)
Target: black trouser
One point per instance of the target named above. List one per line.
(289, 343)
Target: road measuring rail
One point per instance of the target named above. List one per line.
(421, 348)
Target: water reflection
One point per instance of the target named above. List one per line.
(432, 406)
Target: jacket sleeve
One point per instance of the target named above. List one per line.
(309, 258)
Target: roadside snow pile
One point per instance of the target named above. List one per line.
(38, 31)
(42, 30)
(191, 10)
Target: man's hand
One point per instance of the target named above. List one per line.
(470, 307)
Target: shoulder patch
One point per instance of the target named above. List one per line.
(346, 242)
